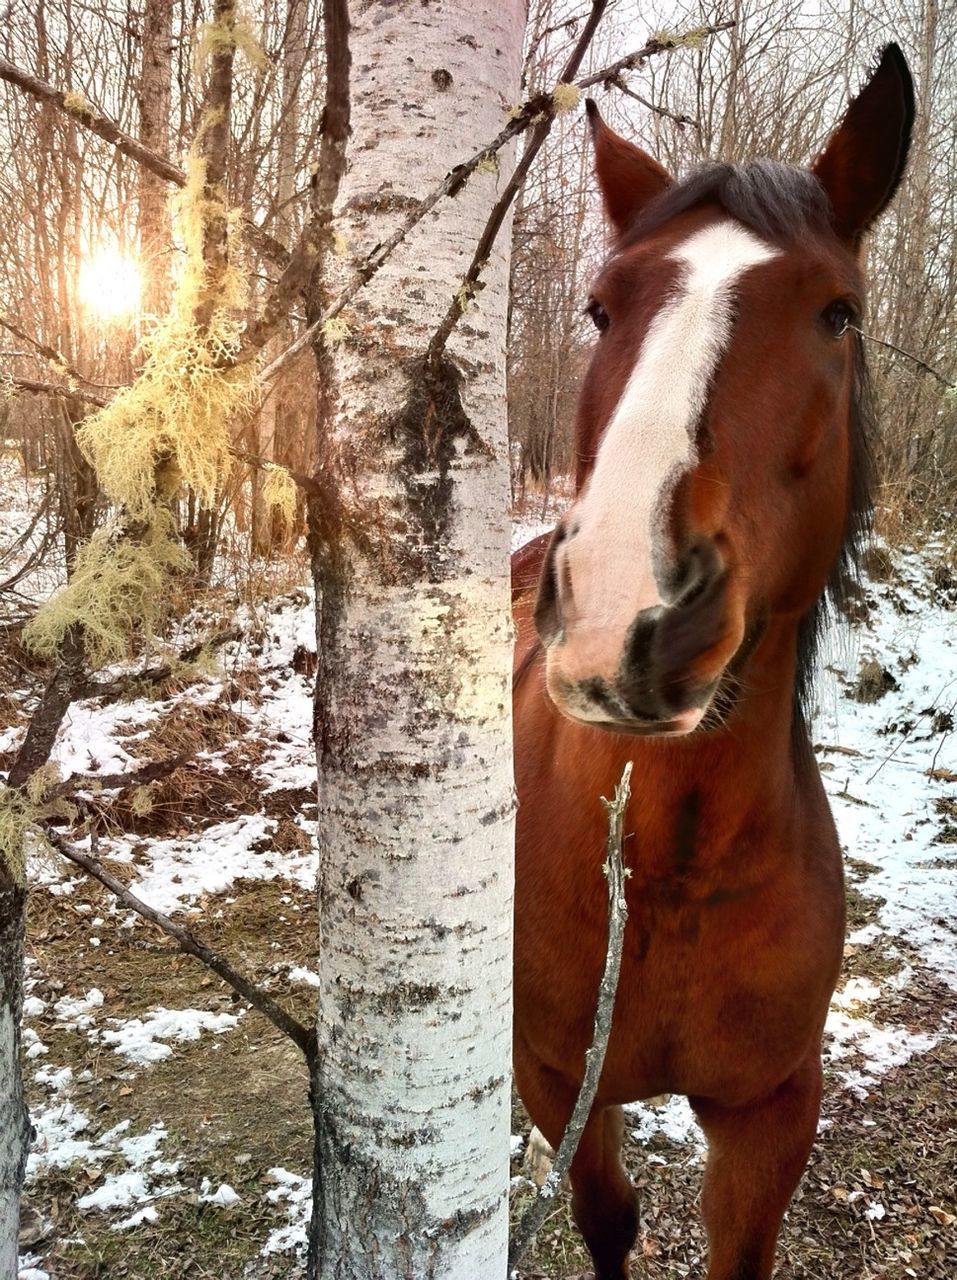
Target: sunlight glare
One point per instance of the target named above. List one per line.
(110, 285)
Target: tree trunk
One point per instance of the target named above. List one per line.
(154, 106)
(413, 732)
(14, 1123)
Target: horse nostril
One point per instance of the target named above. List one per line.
(695, 573)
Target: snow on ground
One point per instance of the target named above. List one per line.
(890, 767)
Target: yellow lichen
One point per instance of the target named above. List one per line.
(77, 105)
(335, 330)
(170, 427)
(233, 31)
(118, 585)
(141, 801)
(340, 244)
(565, 97)
(488, 164)
(281, 495)
(16, 815)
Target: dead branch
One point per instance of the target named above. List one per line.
(632, 61)
(470, 282)
(188, 942)
(530, 112)
(110, 690)
(54, 356)
(154, 771)
(615, 874)
(29, 387)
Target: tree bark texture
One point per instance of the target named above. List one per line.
(14, 1123)
(154, 108)
(413, 730)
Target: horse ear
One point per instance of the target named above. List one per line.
(628, 177)
(863, 162)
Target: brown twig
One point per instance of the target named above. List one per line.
(679, 120)
(32, 388)
(921, 364)
(51, 354)
(188, 942)
(616, 874)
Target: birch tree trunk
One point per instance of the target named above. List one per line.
(413, 730)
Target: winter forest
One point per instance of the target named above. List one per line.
(313, 314)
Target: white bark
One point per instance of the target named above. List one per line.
(413, 717)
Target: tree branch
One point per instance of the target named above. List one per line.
(921, 364)
(679, 120)
(616, 874)
(118, 688)
(188, 942)
(154, 771)
(455, 179)
(83, 113)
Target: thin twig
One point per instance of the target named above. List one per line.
(921, 364)
(616, 875)
(188, 942)
(32, 388)
(680, 120)
(54, 356)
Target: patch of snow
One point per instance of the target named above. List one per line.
(300, 974)
(297, 1192)
(224, 1196)
(75, 1011)
(674, 1120)
(148, 1214)
(143, 1040)
(116, 1191)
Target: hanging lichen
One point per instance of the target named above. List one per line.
(280, 495)
(234, 30)
(119, 587)
(21, 809)
(178, 410)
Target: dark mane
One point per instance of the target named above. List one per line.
(782, 203)
(775, 200)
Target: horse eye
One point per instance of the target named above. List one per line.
(838, 318)
(599, 316)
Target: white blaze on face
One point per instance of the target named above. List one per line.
(648, 443)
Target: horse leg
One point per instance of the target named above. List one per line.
(756, 1155)
(604, 1202)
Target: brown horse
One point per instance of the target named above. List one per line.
(721, 491)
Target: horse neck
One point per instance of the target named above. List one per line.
(742, 776)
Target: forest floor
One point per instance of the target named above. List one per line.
(172, 1131)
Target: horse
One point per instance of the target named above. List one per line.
(671, 618)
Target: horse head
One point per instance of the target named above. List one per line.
(721, 460)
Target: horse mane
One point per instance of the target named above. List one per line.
(781, 202)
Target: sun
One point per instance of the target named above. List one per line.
(110, 285)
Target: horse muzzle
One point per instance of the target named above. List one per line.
(650, 671)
